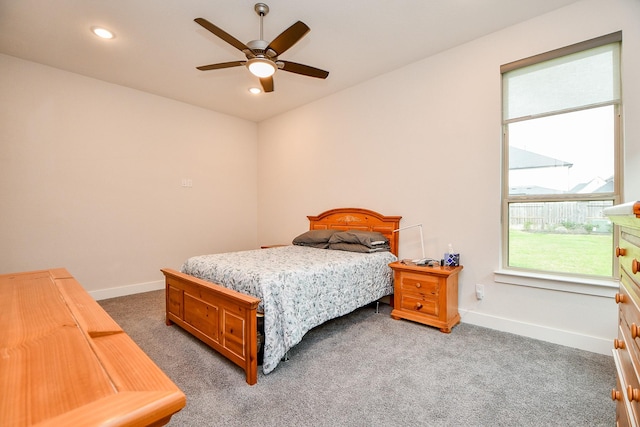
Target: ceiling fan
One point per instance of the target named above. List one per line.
(262, 57)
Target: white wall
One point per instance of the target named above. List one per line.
(424, 142)
(90, 173)
(91, 179)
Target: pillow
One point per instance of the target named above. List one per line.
(370, 239)
(315, 238)
(357, 247)
(321, 245)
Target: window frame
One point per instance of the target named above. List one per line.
(546, 279)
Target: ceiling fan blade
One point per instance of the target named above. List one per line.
(305, 70)
(222, 34)
(267, 83)
(288, 37)
(220, 65)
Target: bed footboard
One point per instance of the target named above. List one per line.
(222, 318)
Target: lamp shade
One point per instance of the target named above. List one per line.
(261, 67)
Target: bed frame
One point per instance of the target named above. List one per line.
(226, 320)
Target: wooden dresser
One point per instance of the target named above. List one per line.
(427, 295)
(65, 362)
(626, 353)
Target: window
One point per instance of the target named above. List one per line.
(561, 130)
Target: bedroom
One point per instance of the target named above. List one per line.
(86, 162)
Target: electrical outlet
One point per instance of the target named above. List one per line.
(479, 291)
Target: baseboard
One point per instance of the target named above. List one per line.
(543, 333)
(138, 288)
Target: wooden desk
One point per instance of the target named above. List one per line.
(65, 362)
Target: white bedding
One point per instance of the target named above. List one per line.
(299, 287)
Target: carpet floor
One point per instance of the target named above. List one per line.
(366, 369)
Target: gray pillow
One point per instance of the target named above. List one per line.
(370, 239)
(315, 238)
(357, 247)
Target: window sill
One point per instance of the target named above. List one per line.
(596, 287)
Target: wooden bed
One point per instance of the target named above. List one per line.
(226, 320)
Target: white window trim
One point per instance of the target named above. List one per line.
(577, 285)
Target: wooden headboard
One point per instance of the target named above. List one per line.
(358, 219)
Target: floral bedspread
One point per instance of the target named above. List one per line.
(299, 287)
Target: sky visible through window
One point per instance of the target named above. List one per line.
(583, 138)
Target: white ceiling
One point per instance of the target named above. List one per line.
(158, 45)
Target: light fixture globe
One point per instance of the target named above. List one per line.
(103, 33)
(261, 67)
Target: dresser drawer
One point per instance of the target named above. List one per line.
(628, 354)
(629, 385)
(426, 286)
(629, 256)
(631, 285)
(627, 362)
(619, 394)
(629, 303)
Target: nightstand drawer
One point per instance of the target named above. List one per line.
(419, 284)
(419, 305)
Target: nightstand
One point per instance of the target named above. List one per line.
(427, 295)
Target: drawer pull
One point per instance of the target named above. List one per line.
(418, 285)
(634, 331)
(633, 394)
(615, 394)
(418, 306)
(635, 266)
(620, 298)
(620, 251)
(618, 344)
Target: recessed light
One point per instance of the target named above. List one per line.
(254, 90)
(102, 32)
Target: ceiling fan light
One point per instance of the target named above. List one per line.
(261, 67)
